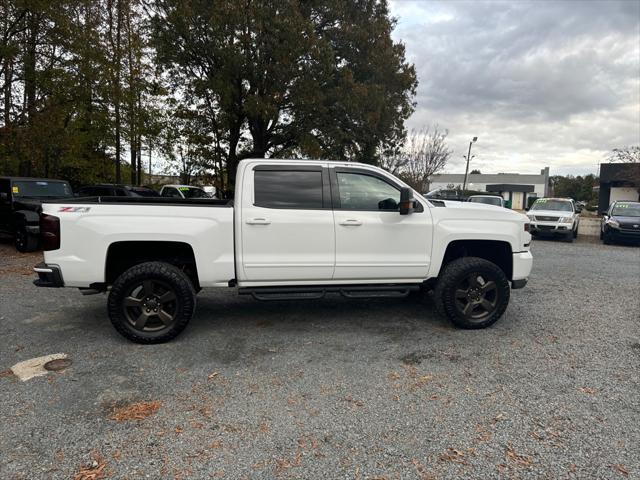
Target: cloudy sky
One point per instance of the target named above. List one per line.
(540, 83)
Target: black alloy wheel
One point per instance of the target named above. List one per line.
(476, 297)
(151, 302)
(150, 306)
(472, 292)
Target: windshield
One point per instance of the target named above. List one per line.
(626, 209)
(488, 200)
(551, 204)
(193, 192)
(41, 189)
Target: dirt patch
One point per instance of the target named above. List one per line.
(135, 411)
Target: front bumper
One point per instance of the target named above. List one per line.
(623, 234)
(522, 264)
(550, 228)
(48, 276)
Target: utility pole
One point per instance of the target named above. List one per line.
(466, 172)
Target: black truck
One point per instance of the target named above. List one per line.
(20, 206)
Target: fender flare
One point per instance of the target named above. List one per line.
(26, 218)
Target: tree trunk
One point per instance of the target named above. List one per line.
(30, 83)
(118, 88)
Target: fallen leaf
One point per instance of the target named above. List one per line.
(620, 468)
(135, 411)
(518, 459)
(587, 390)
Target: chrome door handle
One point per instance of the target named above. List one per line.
(352, 222)
(258, 221)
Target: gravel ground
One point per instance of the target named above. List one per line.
(334, 388)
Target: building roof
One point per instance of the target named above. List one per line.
(501, 178)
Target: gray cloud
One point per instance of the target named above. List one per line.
(540, 82)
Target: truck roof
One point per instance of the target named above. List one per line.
(32, 179)
(303, 160)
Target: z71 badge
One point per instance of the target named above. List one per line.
(74, 209)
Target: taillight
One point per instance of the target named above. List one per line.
(49, 232)
(526, 227)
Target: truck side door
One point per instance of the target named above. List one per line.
(287, 228)
(373, 241)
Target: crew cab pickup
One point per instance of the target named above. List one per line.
(296, 229)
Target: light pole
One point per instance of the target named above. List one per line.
(466, 172)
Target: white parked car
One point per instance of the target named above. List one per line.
(556, 217)
(183, 191)
(487, 199)
(297, 228)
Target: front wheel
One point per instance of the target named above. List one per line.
(151, 302)
(472, 292)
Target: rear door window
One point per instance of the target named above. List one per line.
(298, 189)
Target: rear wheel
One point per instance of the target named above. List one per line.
(25, 241)
(151, 302)
(472, 292)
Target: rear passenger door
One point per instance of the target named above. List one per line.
(287, 228)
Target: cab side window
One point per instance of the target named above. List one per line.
(366, 192)
(297, 189)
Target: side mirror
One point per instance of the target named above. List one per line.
(526, 209)
(407, 201)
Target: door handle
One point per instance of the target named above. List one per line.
(258, 221)
(352, 222)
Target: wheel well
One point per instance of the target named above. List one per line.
(123, 255)
(495, 251)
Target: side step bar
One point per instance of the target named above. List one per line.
(314, 292)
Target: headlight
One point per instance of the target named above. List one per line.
(531, 217)
(566, 220)
(613, 224)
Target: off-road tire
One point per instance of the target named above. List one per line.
(575, 232)
(160, 273)
(25, 241)
(449, 282)
(569, 237)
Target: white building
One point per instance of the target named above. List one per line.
(514, 187)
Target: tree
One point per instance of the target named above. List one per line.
(630, 155)
(313, 79)
(424, 153)
(578, 188)
(475, 171)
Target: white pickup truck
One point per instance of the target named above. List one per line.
(297, 229)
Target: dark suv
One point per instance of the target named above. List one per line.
(115, 190)
(21, 204)
(621, 223)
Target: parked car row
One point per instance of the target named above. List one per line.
(21, 202)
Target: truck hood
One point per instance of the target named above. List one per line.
(484, 211)
(27, 203)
